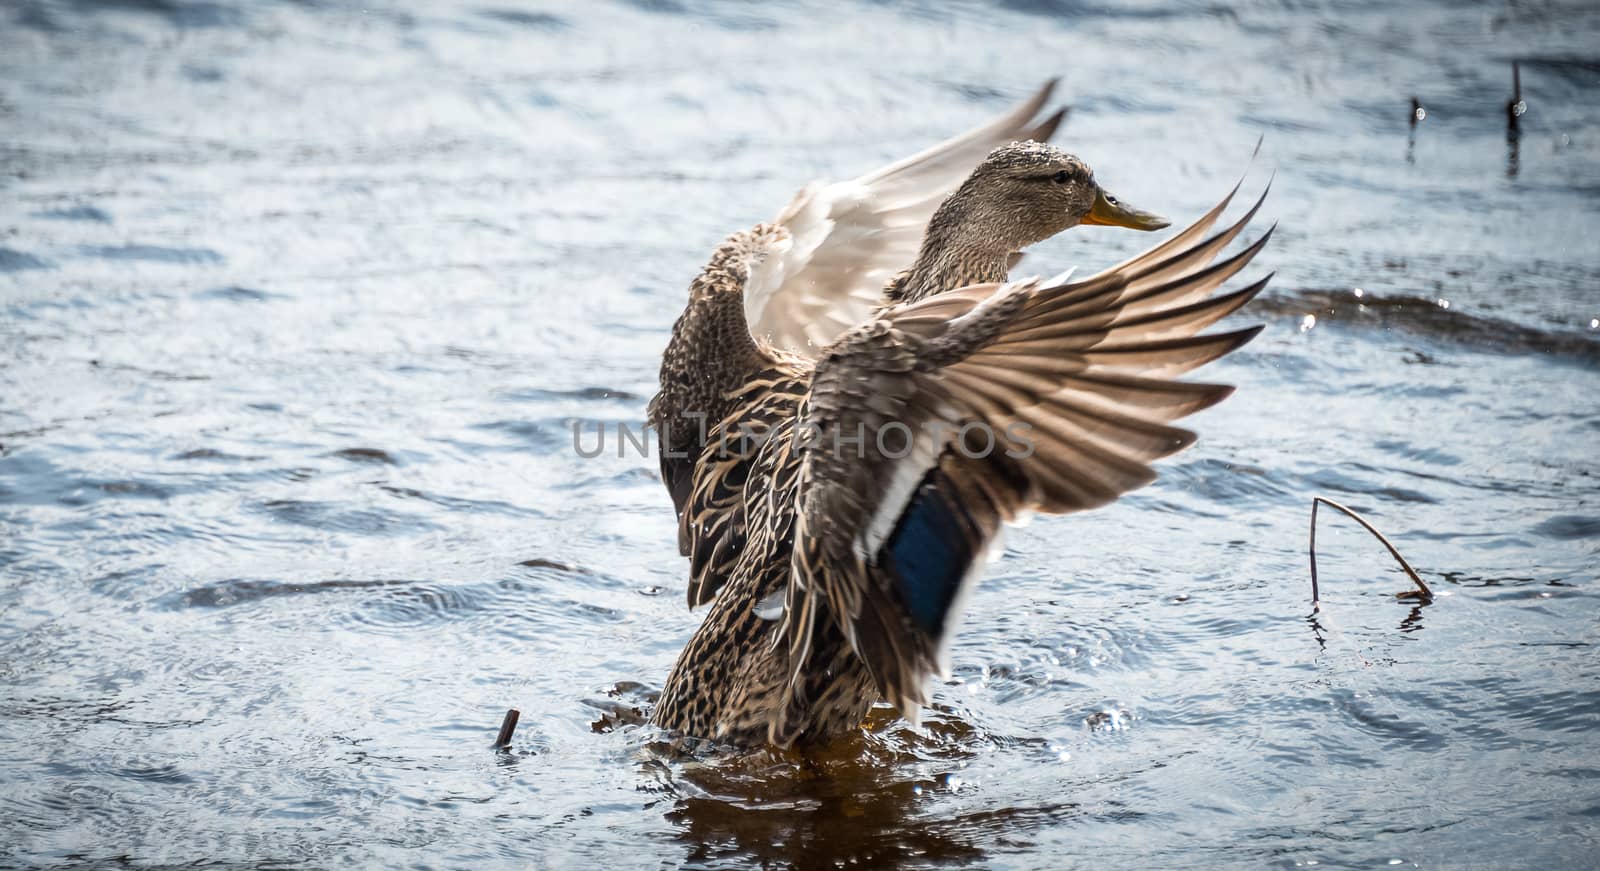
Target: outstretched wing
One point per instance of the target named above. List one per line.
(977, 405)
(713, 527)
(850, 238)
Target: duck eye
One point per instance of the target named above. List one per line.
(1061, 177)
(1111, 199)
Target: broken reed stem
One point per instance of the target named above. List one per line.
(507, 726)
(1422, 590)
(1515, 107)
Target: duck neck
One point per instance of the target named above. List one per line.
(956, 251)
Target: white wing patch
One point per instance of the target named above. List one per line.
(850, 238)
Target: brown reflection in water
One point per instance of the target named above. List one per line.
(855, 801)
(1513, 151)
(1413, 621)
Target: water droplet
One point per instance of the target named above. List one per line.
(1594, 323)
(1307, 322)
(1064, 756)
(1419, 113)
(1402, 861)
(916, 789)
(1519, 107)
(953, 782)
(1443, 303)
(1359, 293)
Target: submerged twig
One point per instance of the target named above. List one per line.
(507, 726)
(1421, 592)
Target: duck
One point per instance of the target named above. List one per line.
(820, 267)
(863, 430)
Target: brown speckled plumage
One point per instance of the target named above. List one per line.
(754, 672)
(711, 353)
(738, 513)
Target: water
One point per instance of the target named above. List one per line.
(300, 300)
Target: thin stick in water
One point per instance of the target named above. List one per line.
(507, 726)
(1421, 592)
(1515, 107)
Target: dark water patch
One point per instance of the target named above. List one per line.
(462, 504)
(558, 565)
(219, 456)
(1581, 72)
(1343, 481)
(12, 260)
(522, 18)
(327, 516)
(1223, 482)
(609, 482)
(737, 18)
(1569, 527)
(30, 478)
(153, 773)
(527, 607)
(1467, 579)
(420, 605)
(1431, 456)
(234, 293)
(32, 15)
(126, 583)
(178, 13)
(242, 591)
(662, 7)
(75, 213)
(366, 455)
(1280, 124)
(204, 73)
(538, 394)
(156, 374)
(1171, 506)
(153, 254)
(545, 436)
(1571, 710)
(1228, 627)
(1429, 319)
(1080, 9)
(1367, 715)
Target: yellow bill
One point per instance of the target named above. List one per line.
(1111, 212)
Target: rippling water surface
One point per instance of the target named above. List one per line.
(298, 301)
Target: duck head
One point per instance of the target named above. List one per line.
(1026, 192)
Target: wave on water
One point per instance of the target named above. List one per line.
(1433, 320)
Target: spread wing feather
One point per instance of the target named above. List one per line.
(851, 237)
(845, 240)
(1082, 374)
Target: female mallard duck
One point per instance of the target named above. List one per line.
(840, 550)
